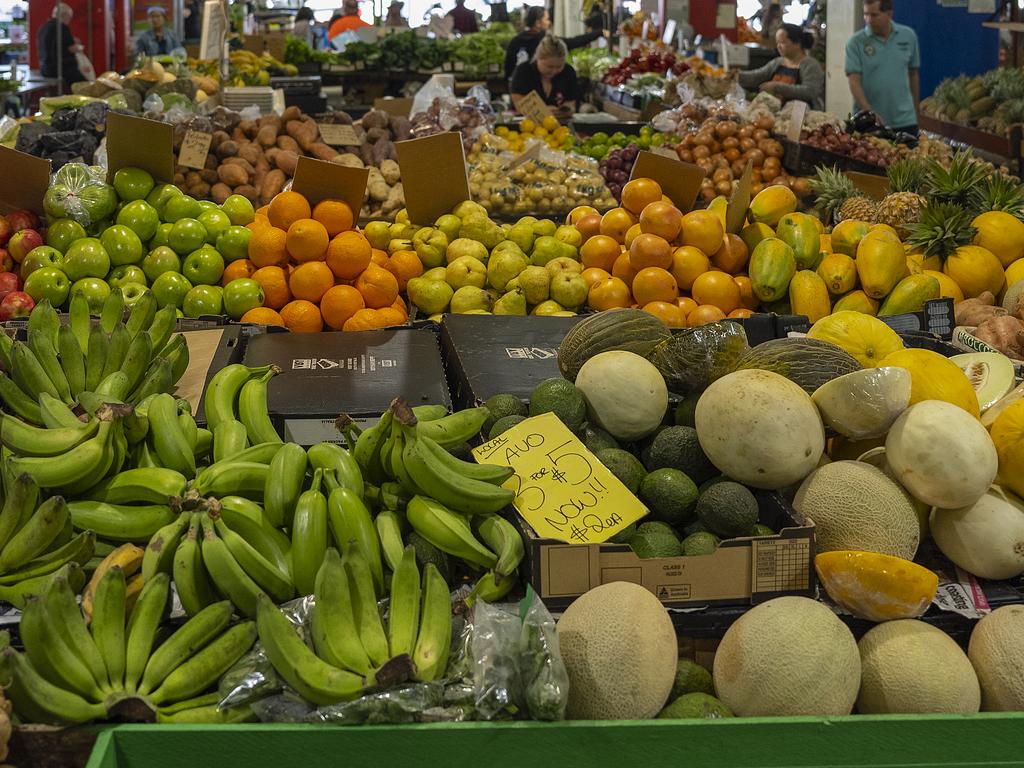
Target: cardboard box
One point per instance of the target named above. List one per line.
(489, 355)
(741, 571)
(433, 175)
(33, 175)
(209, 350)
(359, 373)
(395, 107)
(317, 180)
(134, 142)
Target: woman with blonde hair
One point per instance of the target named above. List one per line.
(549, 75)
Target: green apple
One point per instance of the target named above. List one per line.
(160, 238)
(128, 273)
(464, 271)
(171, 288)
(48, 283)
(140, 217)
(233, 242)
(160, 260)
(430, 296)
(463, 246)
(450, 225)
(207, 205)
(216, 222)
(39, 257)
(86, 258)
(132, 292)
(133, 184)
(160, 195)
(469, 298)
(181, 207)
(94, 290)
(204, 300)
(123, 245)
(430, 245)
(204, 266)
(186, 236)
(378, 233)
(241, 295)
(97, 227)
(62, 233)
(569, 289)
(239, 209)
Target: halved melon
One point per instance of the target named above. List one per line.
(990, 373)
(864, 403)
(876, 587)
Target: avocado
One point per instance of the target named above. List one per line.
(679, 448)
(691, 677)
(761, 530)
(684, 413)
(596, 439)
(625, 466)
(654, 545)
(695, 706)
(670, 495)
(708, 483)
(700, 543)
(623, 536)
(503, 424)
(428, 553)
(500, 406)
(656, 527)
(727, 509)
(561, 398)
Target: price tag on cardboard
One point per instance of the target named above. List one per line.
(562, 490)
(194, 149)
(338, 135)
(532, 107)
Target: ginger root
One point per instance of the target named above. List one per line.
(1004, 333)
(974, 312)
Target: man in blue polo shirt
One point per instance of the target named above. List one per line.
(883, 67)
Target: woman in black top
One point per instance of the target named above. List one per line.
(57, 27)
(538, 22)
(548, 75)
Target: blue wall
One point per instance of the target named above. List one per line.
(952, 40)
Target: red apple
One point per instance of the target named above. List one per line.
(6, 230)
(9, 283)
(16, 304)
(22, 242)
(23, 219)
(6, 262)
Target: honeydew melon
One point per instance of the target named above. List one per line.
(865, 403)
(985, 538)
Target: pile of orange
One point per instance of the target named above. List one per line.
(684, 269)
(318, 272)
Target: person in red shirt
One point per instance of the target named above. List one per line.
(349, 20)
(465, 21)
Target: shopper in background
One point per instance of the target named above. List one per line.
(549, 75)
(464, 20)
(193, 16)
(771, 21)
(158, 40)
(793, 75)
(348, 21)
(47, 38)
(521, 47)
(305, 27)
(883, 64)
(395, 19)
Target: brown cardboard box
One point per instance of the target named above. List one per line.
(271, 42)
(679, 180)
(317, 180)
(134, 142)
(396, 107)
(33, 179)
(433, 175)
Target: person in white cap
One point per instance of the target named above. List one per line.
(158, 40)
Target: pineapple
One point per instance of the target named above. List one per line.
(859, 208)
(958, 183)
(902, 206)
(942, 229)
(1000, 192)
(839, 199)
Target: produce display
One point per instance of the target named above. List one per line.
(993, 101)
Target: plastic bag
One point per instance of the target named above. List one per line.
(252, 112)
(79, 192)
(437, 87)
(545, 678)
(692, 359)
(497, 683)
(153, 103)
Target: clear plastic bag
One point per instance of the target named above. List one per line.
(80, 192)
(544, 676)
(497, 683)
(695, 357)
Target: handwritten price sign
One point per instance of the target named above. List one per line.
(561, 488)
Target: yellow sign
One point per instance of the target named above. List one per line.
(562, 490)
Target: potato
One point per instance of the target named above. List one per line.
(233, 175)
(239, 135)
(305, 134)
(286, 161)
(288, 143)
(267, 136)
(292, 113)
(262, 165)
(322, 152)
(272, 184)
(192, 178)
(251, 152)
(210, 177)
(248, 128)
(179, 179)
(241, 162)
(248, 192)
(219, 137)
(219, 193)
(200, 190)
(227, 148)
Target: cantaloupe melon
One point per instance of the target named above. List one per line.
(620, 650)
(857, 506)
(788, 656)
(760, 429)
(985, 538)
(997, 652)
(910, 667)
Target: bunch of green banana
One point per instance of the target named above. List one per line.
(73, 671)
(352, 652)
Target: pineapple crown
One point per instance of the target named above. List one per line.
(832, 188)
(1000, 193)
(907, 175)
(957, 182)
(941, 229)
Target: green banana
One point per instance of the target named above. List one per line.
(113, 386)
(190, 576)
(486, 473)
(190, 429)
(284, 484)
(252, 409)
(113, 446)
(491, 587)
(158, 378)
(433, 642)
(31, 692)
(19, 505)
(221, 397)
(36, 535)
(364, 605)
(15, 400)
(191, 637)
(350, 520)
(72, 359)
(112, 311)
(144, 457)
(389, 531)
(205, 700)
(404, 606)
(229, 439)
(501, 537)
(44, 320)
(448, 531)
(225, 573)
(29, 374)
(16, 594)
(162, 327)
(119, 522)
(204, 443)
(79, 320)
(107, 623)
(367, 451)
(238, 478)
(456, 491)
(142, 314)
(143, 627)
(140, 486)
(159, 555)
(79, 550)
(46, 354)
(333, 623)
(247, 519)
(309, 536)
(49, 654)
(261, 453)
(207, 714)
(179, 359)
(331, 456)
(454, 429)
(67, 622)
(95, 357)
(137, 359)
(6, 347)
(429, 412)
(27, 440)
(169, 439)
(265, 573)
(207, 666)
(56, 413)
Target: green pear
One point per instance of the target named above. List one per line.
(570, 235)
(378, 233)
(466, 271)
(437, 273)
(545, 249)
(477, 312)
(430, 244)
(547, 308)
(504, 266)
(563, 313)
(512, 303)
(527, 220)
(522, 235)
(402, 217)
(469, 298)
(544, 227)
(563, 264)
(402, 231)
(535, 282)
(569, 289)
(468, 208)
(513, 284)
(506, 226)
(483, 231)
(399, 245)
(450, 225)
(431, 296)
(507, 246)
(463, 246)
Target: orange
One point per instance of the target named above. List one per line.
(688, 263)
(286, 208)
(307, 241)
(378, 286)
(639, 193)
(610, 293)
(236, 269)
(704, 314)
(335, 215)
(623, 269)
(339, 304)
(732, 256)
(717, 289)
(616, 223)
(399, 306)
(369, 319)
(600, 251)
(650, 251)
(654, 284)
(267, 247)
(310, 281)
(579, 212)
(686, 304)
(740, 313)
(379, 257)
(348, 255)
(589, 225)
(670, 314)
(263, 210)
(662, 219)
(747, 298)
(631, 234)
(390, 316)
(302, 317)
(703, 229)
(262, 316)
(404, 265)
(259, 221)
(594, 275)
(274, 282)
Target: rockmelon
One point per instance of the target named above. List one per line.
(760, 429)
(910, 667)
(935, 377)
(941, 454)
(620, 650)
(788, 656)
(631, 330)
(625, 394)
(1008, 437)
(857, 506)
(865, 403)
(865, 337)
(876, 458)
(997, 652)
(985, 538)
(876, 587)
(806, 362)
